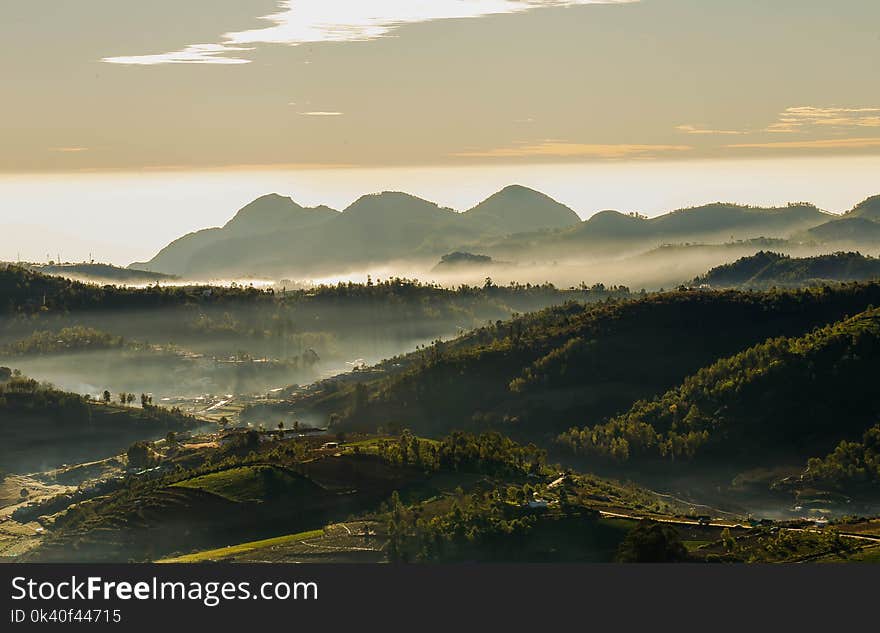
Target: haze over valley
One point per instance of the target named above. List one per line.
(516, 281)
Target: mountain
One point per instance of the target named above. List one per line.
(264, 216)
(275, 213)
(859, 226)
(868, 209)
(784, 398)
(274, 236)
(708, 223)
(765, 269)
(611, 233)
(850, 230)
(520, 210)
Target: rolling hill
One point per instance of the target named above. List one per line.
(786, 398)
(537, 375)
(611, 233)
(43, 427)
(766, 269)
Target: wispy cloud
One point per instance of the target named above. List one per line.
(833, 143)
(195, 54)
(694, 129)
(803, 118)
(69, 150)
(564, 149)
(321, 113)
(308, 21)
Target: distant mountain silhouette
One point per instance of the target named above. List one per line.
(274, 236)
(858, 227)
(520, 209)
(868, 209)
(710, 222)
(846, 230)
(264, 215)
(612, 232)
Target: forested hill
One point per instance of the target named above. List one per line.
(766, 269)
(853, 467)
(540, 374)
(788, 396)
(23, 291)
(42, 427)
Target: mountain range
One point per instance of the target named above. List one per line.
(275, 236)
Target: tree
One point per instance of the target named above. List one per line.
(652, 542)
(728, 540)
(106, 397)
(171, 437)
(122, 396)
(129, 398)
(138, 455)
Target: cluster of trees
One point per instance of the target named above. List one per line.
(652, 542)
(490, 453)
(28, 292)
(786, 394)
(851, 466)
(22, 395)
(476, 522)
(69, 339)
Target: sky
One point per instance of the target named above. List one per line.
(194, 106)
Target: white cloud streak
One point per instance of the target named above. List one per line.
(310, 21)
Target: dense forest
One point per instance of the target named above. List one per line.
(853, 466)
(767, 269)
(536, 375)
(788, 396)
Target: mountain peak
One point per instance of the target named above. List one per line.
(518, 209)
(869, 209)
(394, 206)
(266, 212)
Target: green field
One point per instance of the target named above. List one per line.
(241, 548)
(250, 483)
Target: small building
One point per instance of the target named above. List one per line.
(330, 445)
(538, 504)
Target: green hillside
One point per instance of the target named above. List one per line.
(853, 467)
(786, 397)
(43, 427)
(766, 269)
(251, 483)
(539, 374)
